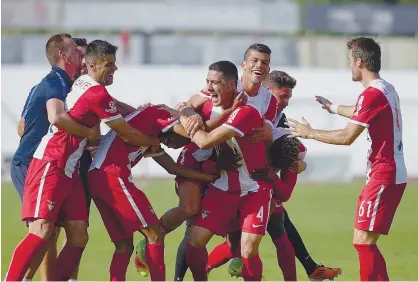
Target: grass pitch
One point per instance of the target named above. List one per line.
(323, 214)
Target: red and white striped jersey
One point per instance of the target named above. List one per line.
(264, 102)
(88, 103)
(243, 121)
(378, 109)
(117, 157)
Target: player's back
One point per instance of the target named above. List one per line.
(384, 122)
(117, 157)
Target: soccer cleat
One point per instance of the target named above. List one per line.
(140, 259)
(235, 267)
(322, 272)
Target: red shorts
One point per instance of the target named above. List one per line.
(50, 194)
(376, 206)
(123, 207)
(277, 206)
(220, 209)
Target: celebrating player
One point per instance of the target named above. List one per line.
(124, 208)
(378, 110)
(53, 194)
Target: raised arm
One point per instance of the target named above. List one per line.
(345, 111)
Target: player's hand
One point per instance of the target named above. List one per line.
(240, 100)
(265, 174)
(298, 166)
(326, 104)
(263, 133)
(92, 150)
(193, 124)
(227, 160)
(173, 112)
(299, 129)
(180, 106)
(152, 151)
(143, 106)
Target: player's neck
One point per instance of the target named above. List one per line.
(250, 88)
(68, 70)
(368, 77)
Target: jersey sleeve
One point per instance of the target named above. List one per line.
(243, 120)
(25, 107)
(104, 106)
(368, 106)
(271, 112)
(204, 93)
(164, 121)
(54, 90)
(206, 110)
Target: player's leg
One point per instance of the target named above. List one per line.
(254, 214)
(313, 270)
(376, 209)
(41, 204)
(154, 252)
(190, 195)
(85, 162)
(48, 258)
(181, 264)
(284, 249)
(73, 217)
(218, 209)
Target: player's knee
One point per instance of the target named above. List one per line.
(191, 209)
(77, 233)
(42, 228)
(249, 245)
(362, 237)
(154, 234)
(124, 246)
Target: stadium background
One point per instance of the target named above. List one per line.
(165, 47)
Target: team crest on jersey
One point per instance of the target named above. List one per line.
(359, 104)
(112, 108)
(205, 213)
(51, 205)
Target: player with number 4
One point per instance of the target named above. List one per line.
(378, 110)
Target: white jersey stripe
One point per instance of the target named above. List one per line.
(165, 129)
(41, 189)
(132, 202)
(376, 206)
(234, 129)
(112, 118)
(359, 123)
(73, 158)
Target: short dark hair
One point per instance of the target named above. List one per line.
(54, 44)
(279, 79)
(257, 47)
(100, 48)
(227, 68)
(284, 152)
(81, 42)
(368, 51)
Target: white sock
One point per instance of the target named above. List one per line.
(26, 279)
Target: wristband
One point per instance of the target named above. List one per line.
(334, 108)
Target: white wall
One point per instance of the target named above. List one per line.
(172, 84)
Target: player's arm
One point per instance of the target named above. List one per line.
(21, 127)
(207, 140)
(131, 135)
(239, 101)
(58, 117)
(124, 108)
(345, 111)
(344, 136)
(176, 169)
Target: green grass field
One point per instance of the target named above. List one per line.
(323, 215)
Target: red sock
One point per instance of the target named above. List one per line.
(155, 260)
(372, 263)
(220, 255)
(66, 262)
(119, 266)
(286, 257)
(253, 268)
(22, 256)
(197, 259)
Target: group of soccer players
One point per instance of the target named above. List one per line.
(235, 140)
